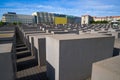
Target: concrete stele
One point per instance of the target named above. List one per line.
(108, 69)
(70, 57)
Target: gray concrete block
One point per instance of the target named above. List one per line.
(70, 57)
(116, 50)
(24, 34)
(7, 71)
(38, 47)
(7, 37)
(108, 69)
(31, 41)
(115, 34)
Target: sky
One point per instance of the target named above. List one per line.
(69, 7)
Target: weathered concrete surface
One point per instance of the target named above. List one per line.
(6, 37)
(108, 69)
(70, 57)
(38, 47)
(6, 62)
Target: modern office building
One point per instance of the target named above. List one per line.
(73, 19)
(60, 20)
(12, 17)
(45, 17)
(40, 17)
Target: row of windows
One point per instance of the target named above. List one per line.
(17, 19)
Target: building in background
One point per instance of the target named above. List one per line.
(100, 18)
(106, 18)
(40, 17)
(86, 19)
(73, 19)
(60, 20)
(43, 17)
(50, 18)
(12, 17)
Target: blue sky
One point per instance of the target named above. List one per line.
(70, 7)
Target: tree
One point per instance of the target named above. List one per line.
(1, 23)
(15, 23)
(98, 22)
(118, 20)
(19, 23)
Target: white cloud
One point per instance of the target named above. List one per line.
(98, 5)
(45, 6)
(77, 7)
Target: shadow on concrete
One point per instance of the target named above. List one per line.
(51, 71)
(26, 64)
(116, 51)
(39, 76)
(24, 54)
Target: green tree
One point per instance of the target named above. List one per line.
(19, 23)
(1, 23)
(15, 23)
(118, 20)
(98, 22)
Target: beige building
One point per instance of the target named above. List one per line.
(85, 19)
(11, 17)
(100, 18)
(115, 17)
(107, 18)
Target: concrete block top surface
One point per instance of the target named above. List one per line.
(111, 64)
(42, 36)
(12, 31)
(81, 36)
(117, 43)
(38, 34)
(6, 35)
(5, 48)
(26, 32)
(60, 31)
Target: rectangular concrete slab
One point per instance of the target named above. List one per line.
(38, 47)
(7, 37)
(6, 62)
(117, 43)
(116, 50)
(70, 57)
(108, 69)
